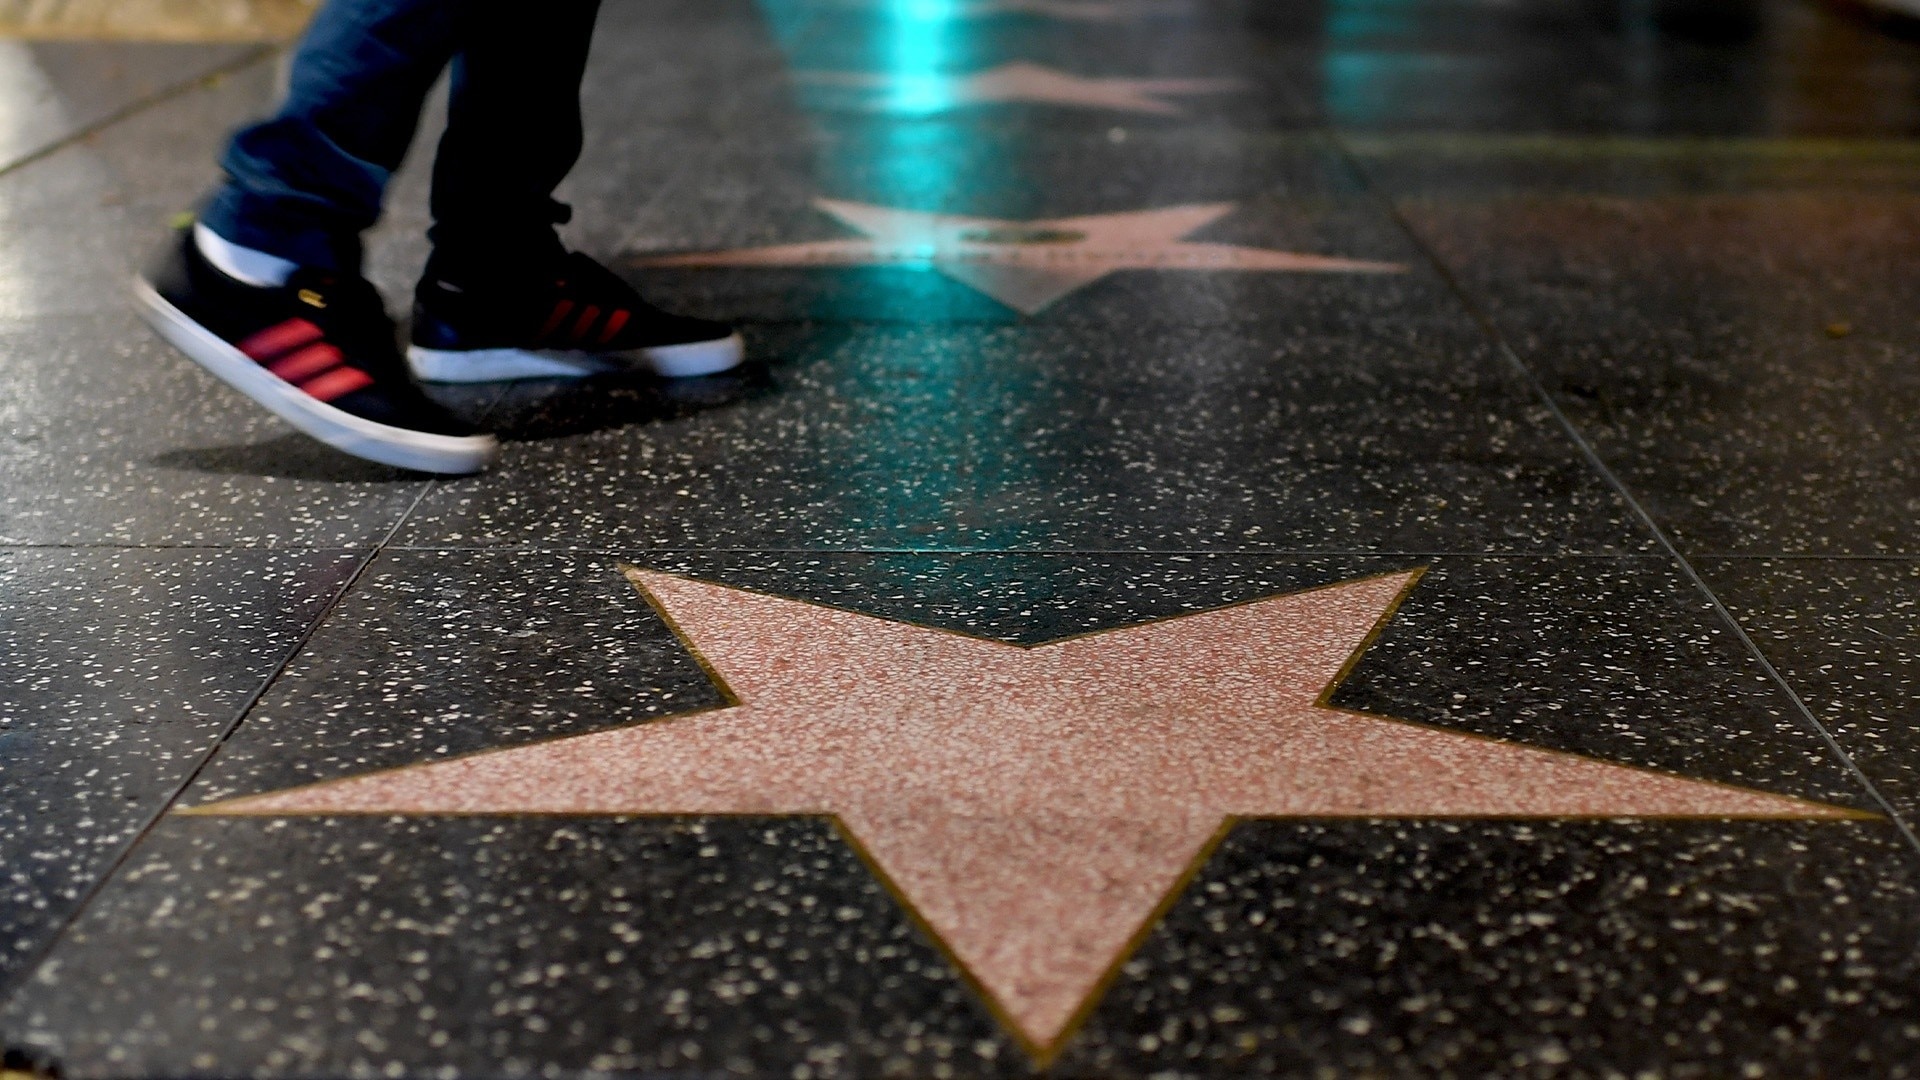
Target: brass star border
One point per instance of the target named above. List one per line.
(1035, 811)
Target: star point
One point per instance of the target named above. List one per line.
(1035, 808)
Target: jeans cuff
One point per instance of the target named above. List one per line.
(267, 225)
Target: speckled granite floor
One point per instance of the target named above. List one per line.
(1341, 538)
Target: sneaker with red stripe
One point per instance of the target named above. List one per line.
(320, 352)
(580, 320)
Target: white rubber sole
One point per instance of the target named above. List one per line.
(500, 365)
(417, 450)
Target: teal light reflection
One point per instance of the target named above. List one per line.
(941, 451)
(1359, 79)
(895, 156)
(949, 469)
(917, 42)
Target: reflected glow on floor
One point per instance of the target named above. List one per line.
(916, 33)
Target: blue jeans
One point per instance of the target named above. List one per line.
(307, 182)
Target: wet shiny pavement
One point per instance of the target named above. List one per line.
(1338, 538)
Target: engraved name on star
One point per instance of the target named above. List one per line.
(1037, 808)
(1026, 265)
(1014, 82)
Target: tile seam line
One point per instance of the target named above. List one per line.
(1634, 505)
(776, 550)
(1287, 552)
(11, 987)
(601, 549)
(135, 108)
(236, 546)
(943, 553)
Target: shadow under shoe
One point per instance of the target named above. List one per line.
(556, 408)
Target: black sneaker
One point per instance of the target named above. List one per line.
(582, 321)
(318, 351)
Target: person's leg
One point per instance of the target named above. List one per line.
(304, 184)
(265, 291)
(513, 133)
(501, 298)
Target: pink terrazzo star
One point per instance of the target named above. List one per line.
(1015, 82)
(1095, 11)
(1027, 265)
(1036, 807)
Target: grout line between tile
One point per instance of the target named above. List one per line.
(85, 900)
(1719, 556)
(127, 112)
(1242, 553)
(1634, 506)
(631, 550)
(239, 545)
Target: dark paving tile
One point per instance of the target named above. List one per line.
(1463, 949)
(1744, 360)
(1500, 88)
(1470, 167)
(1050, 439)
(1473, 65)
(751, 80)
(316, 947)
(79, 220)
(1670, 67)
(161, 161)
(1437, 24)
(1846, 635)
(924, 69)
(701, 71)
(1617, 659)
(1678, 294)
(443, 653)
(122, 668)
(1761, 67)
(71, 241)
(52, 89)
(530, 946)
(112, 437)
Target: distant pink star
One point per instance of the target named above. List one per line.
(1016, 82)
(1077, 10)
(1036, 807)
(1027, 265)
(1104, 11)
